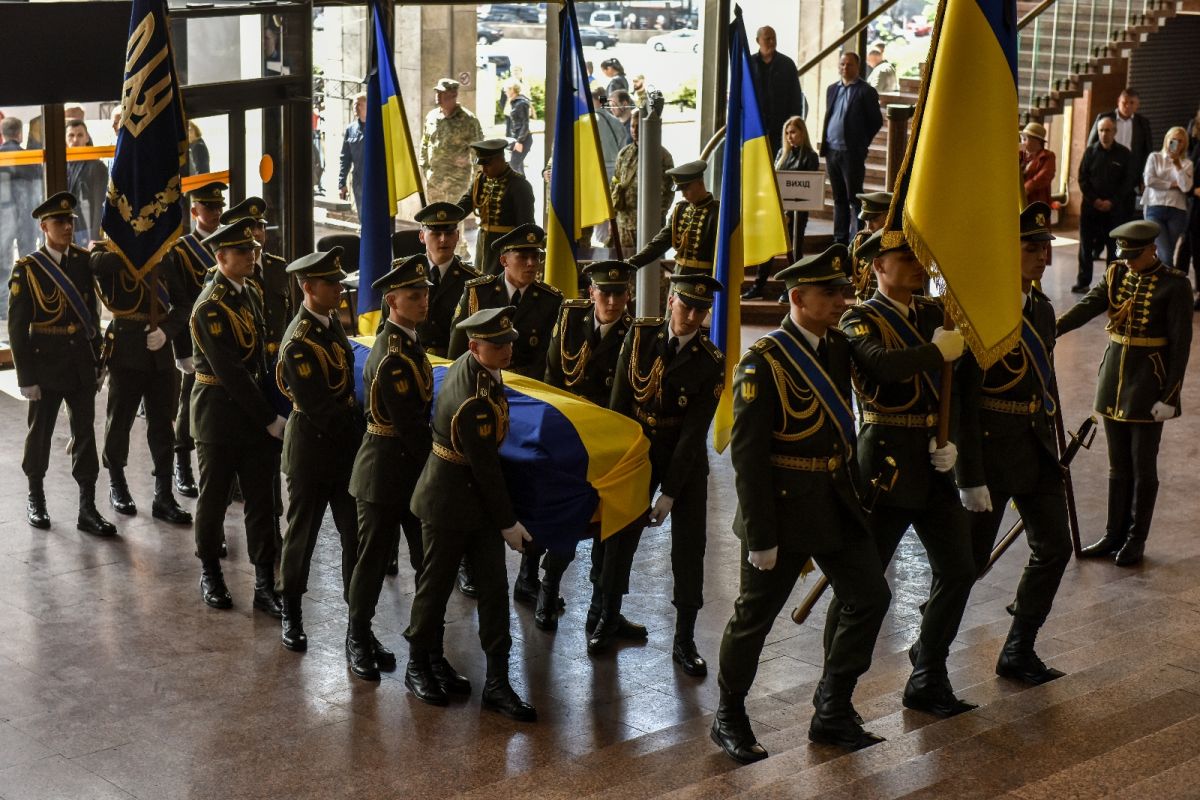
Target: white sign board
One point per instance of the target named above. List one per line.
(801, 191)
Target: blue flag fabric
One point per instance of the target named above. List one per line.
(142, 213)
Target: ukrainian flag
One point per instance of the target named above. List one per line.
(579, 194)
(389, 175)
(750, 229)
(961, 203)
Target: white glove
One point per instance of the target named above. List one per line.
(185, 365)
(949, 342)
(276, 427)
(662, 507)
(155, 339)
(31, 392)
(1162, 412)
(516, 537)
(942, 458)
(976, 498)
(763, 559)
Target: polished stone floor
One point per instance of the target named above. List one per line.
(116, 682)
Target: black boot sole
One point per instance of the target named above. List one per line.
(514, 716)
(268, 609)
(217, 602)
(696, 671)
(295, 645)
(40, 524)
(741, 759)
(428, 699)
(175, 518)
(364, 674)
(862, 742)
(937, 709)
(1030, 678)
(95, 530)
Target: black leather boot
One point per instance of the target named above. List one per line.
(612, 627)
(385, 659)
(466, 579)
(360, 652)
(1120, 507)
(498, 694)
(1018, 660)
(118, 492)
(929, 690)
(164, 506)
(35, 506)
(684, 651)
(212, 585)
(731, 730)
(265, 597)
(90, 520)
(525, 587)
(293, 637)
(817, 701)
(1143, 512)
(185, 481)
(448, 677)
(546, 615)
(421, 681)
(594, 609)
(833, 722)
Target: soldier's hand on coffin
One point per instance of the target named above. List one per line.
(763, 559)
(31, 392)
(950, 343)
(942, 458)
(662, 508)
(516, 537)
(185, 365)
(155, 339)
(276, 427)
(976, 498)
(1162, 412)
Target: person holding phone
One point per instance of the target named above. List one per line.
(1169, 175)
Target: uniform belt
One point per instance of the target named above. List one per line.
(132, 316)
(1019, 407)
(497, 228)
(1138, 341)
(446, 454)
(55, 330)
(211, 380)
(807, 463)
(655, 421)
(900, 420)
(382, 430)
(693, 263)
(347, 401)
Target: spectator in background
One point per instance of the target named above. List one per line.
(446, 146)
(852, 118)
(778, 86)
(613, 137)
(615, 73)
(516, 125)
(17, 227)
(88, 181)
(882, 77)
(1189, 251)
(1133, 130)
(1169, 177)
(198, 161)
(591, 73)
(639, 89)
(625, 190)
(620, 103)
(1107, 175)
(353, 150)
(1038, 164)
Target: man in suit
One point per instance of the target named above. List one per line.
(1133, 132)
(793, 452)
(1014, 404)
(448, 274)
(53, 330)
(692, 229)
(235, 427)
(777, 85)
(353, 155)
(470, 421)
(502, 199)
(852, 118)
(1107, 176)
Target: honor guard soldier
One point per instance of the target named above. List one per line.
(501, 199)
(323, 433)
(236, 429)
(669, 378)
(448, 275)
(1149, 336)
(692, 228)
(470, 421)
(53, 330)
(899, 349)
(1015, 404)
(873, 215)
(793, 453)
(191, 260)
(582, 360)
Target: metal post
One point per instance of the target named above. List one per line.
(898, 115)
(649, 202)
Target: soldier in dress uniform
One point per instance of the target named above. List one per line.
(323, 433)
(692, 227)
(190, 259)
(53, 330)
(899, 349)
(502, 199)
(873, 215)
(793, 452)
(1014, 404)
(470, 421)
(440, 233)
(237, 431)
(582, 359)
(669, 378)
(1150, 334)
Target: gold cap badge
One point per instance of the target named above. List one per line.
(1040, 219)
(505, 324)
(531, 237)
(700, 288)
(64, 203)
(614, 274)
(441, 215)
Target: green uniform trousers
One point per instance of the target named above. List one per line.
(81, 416)
(183, 416)
(251, 463)
(128, 389)
(379, 526)
(307, 500)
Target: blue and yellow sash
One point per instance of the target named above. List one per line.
(904, 331)
(198, 252)
(74, 298)
(1039, 355)
(836, 406)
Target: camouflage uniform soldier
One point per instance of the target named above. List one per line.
(625, 188)
(445, 145)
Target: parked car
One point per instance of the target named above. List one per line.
(502, 65)
(509, 12)
(605, 19)
(488, 34)
(684, 40)
(597, 38)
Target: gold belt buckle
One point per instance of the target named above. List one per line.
(651, 421)
(71, 328)
(930, 420)
(1124, 339)
(834, 463)
(1033, 406)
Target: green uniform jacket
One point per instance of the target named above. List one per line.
(275, 287)
(579, 362)
(464, 488)
(316, 369)
(692, 231)
(129, 301)
(1150, 335)
(398, 385)
(674, 403)
(501, 204)
(443, 302)
(893, 379)
(58, 362)
(229, 405)
(1014, 445)
(534, 320)
(187, 272)
(777, 417)
(864, 275)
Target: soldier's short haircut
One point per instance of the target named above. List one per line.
(10, 128)
(76, 123)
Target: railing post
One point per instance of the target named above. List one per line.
(649, 200)
(898, 115)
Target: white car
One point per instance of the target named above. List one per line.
(684, 40)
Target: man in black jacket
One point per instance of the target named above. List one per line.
(1133, 131)
(852, 118)
(778, 86)
(1107, 175)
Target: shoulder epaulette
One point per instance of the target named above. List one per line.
(483, 384)
(548, 288)
(470, 269)
(920, 299)
(218, 292)
(761, 346)
(481, 280)
(577, 303)
(301, 330)
(76, 248)
(395, 344)
(711, 348)
(1174, 273)
(836, 332)
(648, 322)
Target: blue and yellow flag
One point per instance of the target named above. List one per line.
(579, 194)
(389, 174)
(973, 248)
(750, 229)
(142, 213)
